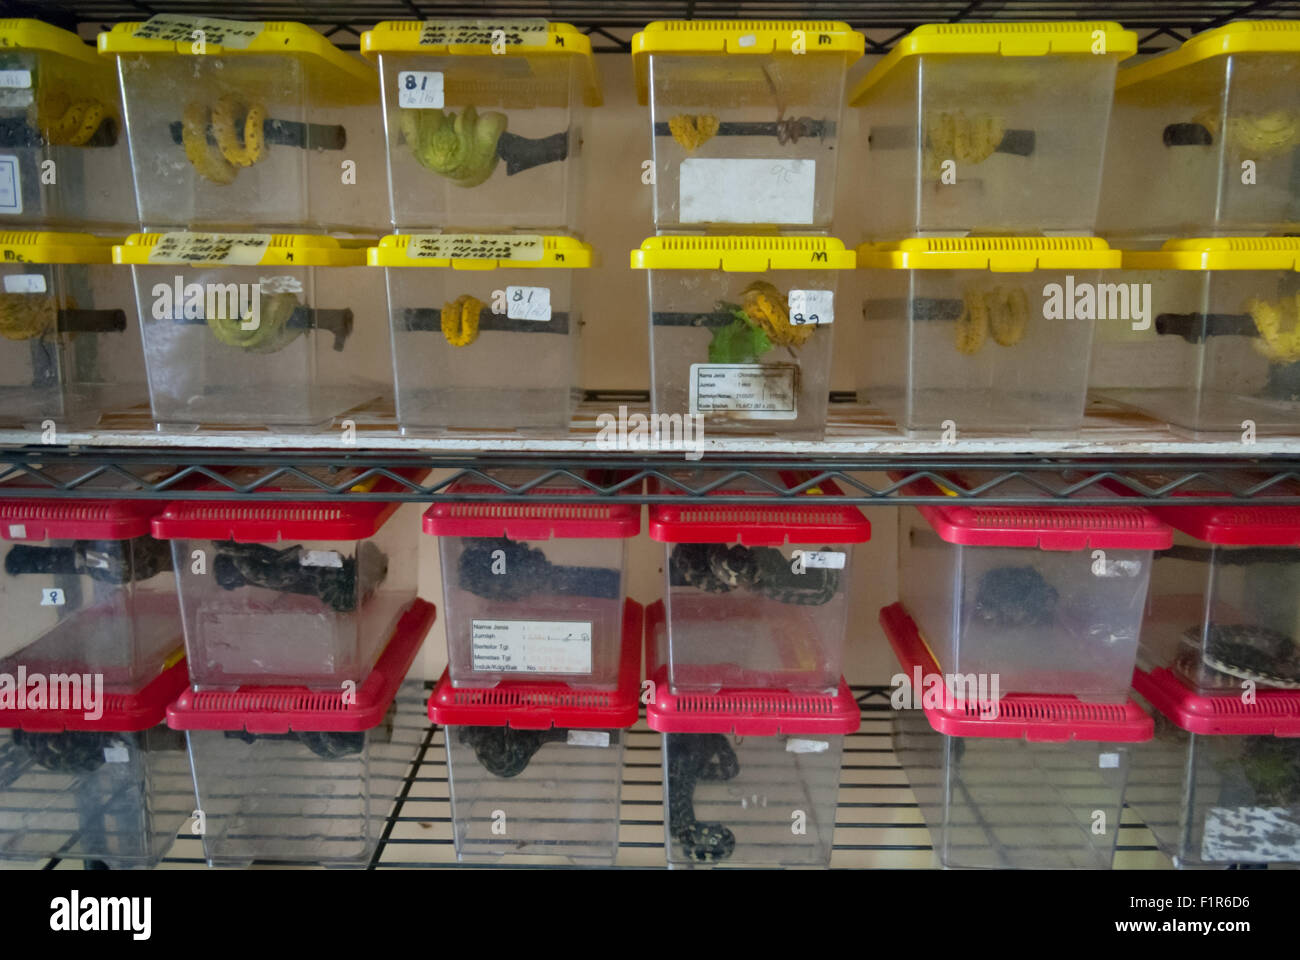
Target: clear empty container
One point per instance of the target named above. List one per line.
(751, 777)
(537, 777)
(533, 589)
(280, 592)
(110, 785)
(485, 129)
(1203, 138)
(745, 118)
(1037, 784)
(63, 151)
(1039, 599)
(302, 776)
(486, 335)
(1219, 785)
(962, 129)
(987, 334)
(254, 125)
(233, 333)
(69, 346)
(758, 596)
(87, 591)
(741, 329)
(1217, 351)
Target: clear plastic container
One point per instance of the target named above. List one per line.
(741, 329)
(277, 593)
(306, 777)
(233, 333)
(1217, 352)
(745, 118)
(962, 129)
(255, 126)
(69, 346)
(533, 589)
(522, 98)
(1203, 138)
(1038, 784)
(63, 152)
(980, 334)
(505, 356)
(1041, 599)
(1220, 784)
(758, 597)
(114, 788)
(537, 777)
(86, 591)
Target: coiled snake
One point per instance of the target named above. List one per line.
(341, 587)
(238, 145)
(1245, 652)
(718, 568)
(693, 757)
(504, 751)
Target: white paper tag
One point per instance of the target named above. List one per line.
(286, 283)
(18, 531)
(419, 89)
(1251, 835)
(512, 33)
(117, 754)
(320, 558)
(52, 597)
(238, 249)
(811, 306)
(173, 28)
(746, 191)
(531, 646)
(822, 559)
(528, 303)
(1108, 761)
(24, 283)
(11, 185)
(588, 738)
(476, 246)
(1115, 569)
(797, 745)
(748, 40)
(16, 79)
(761, 391)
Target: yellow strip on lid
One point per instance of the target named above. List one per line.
(687, 37)
(30, 246)
(37, 35)
(1218, 253)
(997, 254)
(742, 254)
(1097, 38)
(243, 249)
(1244, 36)
(481, 251)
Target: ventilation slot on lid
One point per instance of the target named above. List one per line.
(756, 703)
(1051, 709)
(1107, 518)
(269, 701)
(740, 514)
(1055, 27)
(569, 699)
(531, 511)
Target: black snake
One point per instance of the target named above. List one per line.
(243, 564)
(1015, 597)
(501, 569)
(1244, 651)
(693, 757)
(717, 568)
(504, 751)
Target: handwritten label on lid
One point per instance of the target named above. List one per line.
(476, 246)
(232, 34)
(238, 249)
(513, 33)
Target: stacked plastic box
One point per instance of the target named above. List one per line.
(745, 121)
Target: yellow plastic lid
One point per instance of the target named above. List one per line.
(742, 254)
(29, 246)
(997, 254)
(242, 249)
(1218, 253)
(1003, 40)
(1243, 36)
(742, 37)
(480, 251)
(38, 35)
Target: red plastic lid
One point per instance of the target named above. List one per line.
(1229, 524)
(39, 519)
(122, 713)
(542, 705)
(817, 519)
(746, 713)
(1018, 716)
(282, 709)
(1274, 712)
(526, 520)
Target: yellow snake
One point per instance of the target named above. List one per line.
(460, 320)
(1002, 311)
(235, 147)
(64, 122)
(24, 317)
(955, 136)
(1261, 134)
(692, 130)
(1278, 326)
(766, 308)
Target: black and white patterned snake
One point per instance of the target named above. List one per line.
(719, 568)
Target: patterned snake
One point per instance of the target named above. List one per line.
(1246, 652)
(717, 568)
(693, 757)
(504, 751)
(244, 564)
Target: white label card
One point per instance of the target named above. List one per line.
(531, 646)
(420, 89)
(321, 558)
(476, 246)
(11, 185)
(24, 283)
(239, 249)
(797, 745)
(760, 391)
(52, 597)
(16, 79)
(811, 306)
(822, 559)
(528, 303)
(1108, 761)
(235, 34)
(117, 754)
(18, 531)
(746, 191)
(513, 33)
(588, 738)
